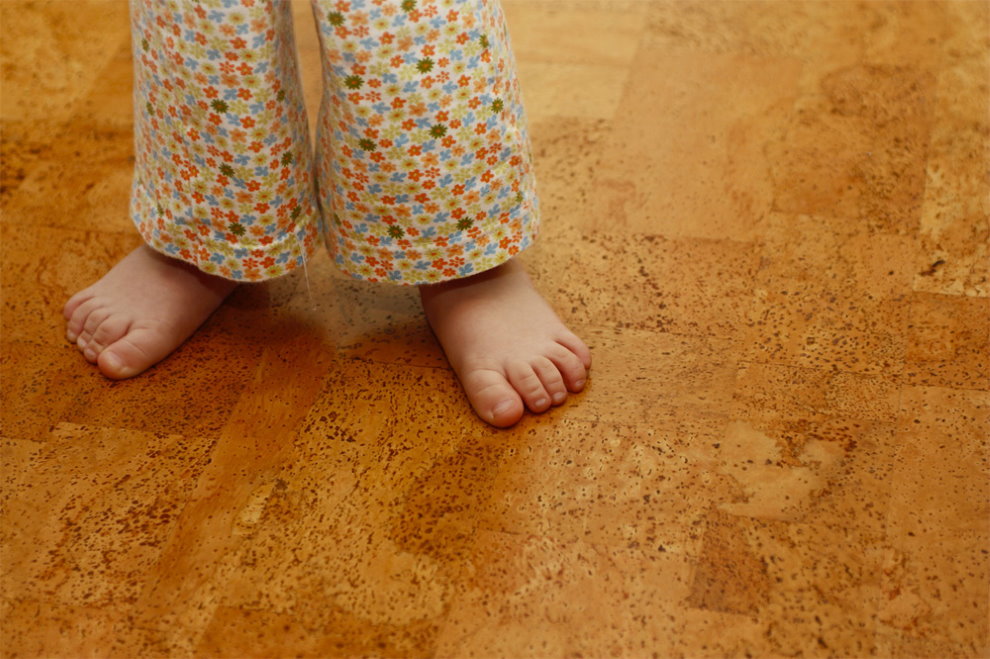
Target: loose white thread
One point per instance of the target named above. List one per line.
(309, 291)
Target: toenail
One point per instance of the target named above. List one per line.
(502, 408)
(540, 402)
(71, 336)
(89, 353)
(112, 362)
(559, 397)
(579, 384)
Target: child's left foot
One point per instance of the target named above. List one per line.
(505, 343)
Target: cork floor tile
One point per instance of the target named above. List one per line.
(948, 343)
(530, 596)
(838, 253)
(893, 643)
(554, 485)
(21, 149)
(247, 632)
(824, 36)
(830, 294)
(582, 32)
(684, 372)
(955, 230)
(768, 221)
(75, 36)
(37, 375)
(699, 170)
(825, 594)
(937, 520)
(82, 182)
(583, 76)
(106, 535)
(45, 628)
(175, 605)
(811, 326)
(58, 263)
(769, 392)
(648, 282)
(857, 148)
(361, 320)
(308, 53)
(359, 491)
(78, 599)
(590, 91)
(47, 74)
(567, 153)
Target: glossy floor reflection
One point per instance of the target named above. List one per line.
(769, 221)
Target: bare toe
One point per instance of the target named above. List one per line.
(87, 351)
(551, 378)
(577, 346)
(570, 366)
(73, 302)
(499, 320)
(95, 318)
(525, 380)
(137, 351)
(77, 320)
(140, 311)
(493, 398)
(109, 332)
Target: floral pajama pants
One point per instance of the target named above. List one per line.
(422, 169)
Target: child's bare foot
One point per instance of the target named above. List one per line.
(141, 311)
(505, 343)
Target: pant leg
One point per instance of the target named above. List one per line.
(223, 172)
(424, 166)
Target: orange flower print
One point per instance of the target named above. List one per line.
(422, 168)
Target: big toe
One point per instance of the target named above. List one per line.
(493, 398)
(132, 354)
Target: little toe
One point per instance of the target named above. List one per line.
(492, 397)
(570, 341)
(73, 303)
(552, 381)
(528, 384)
(78, 319)
(570, 366)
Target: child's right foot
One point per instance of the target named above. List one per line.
(141, 311)
(506, 344)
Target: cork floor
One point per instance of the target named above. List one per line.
(767, 219)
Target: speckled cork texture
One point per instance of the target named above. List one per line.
(767, 219)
